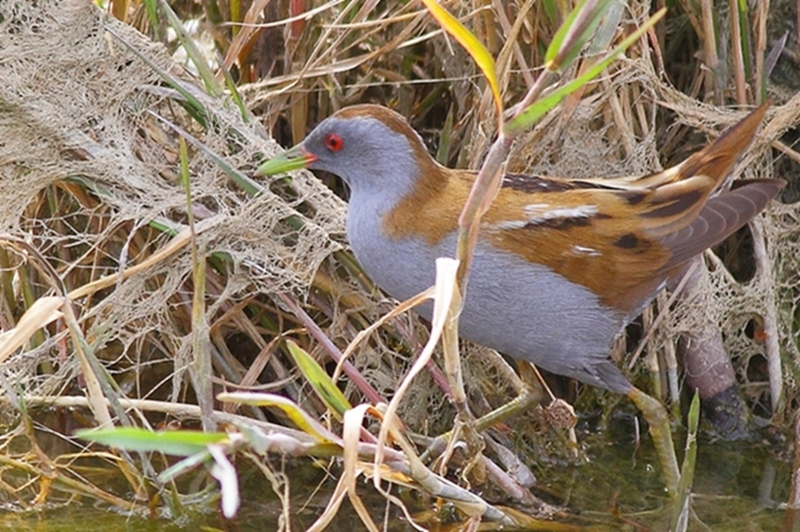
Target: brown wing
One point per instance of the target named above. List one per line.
(624, 252)
(595, 238)
(722, 215)
(623, 238)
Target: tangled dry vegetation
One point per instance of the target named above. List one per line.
(130, 299)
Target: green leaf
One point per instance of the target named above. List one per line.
(187, 100)
(681, 505)
(213, 86)
(533, 113)
(319, 379)
(184, 466)
(247, 184)
(152, 12)
(304, 422)
(172, 442)
(573, 34)
(605, 32)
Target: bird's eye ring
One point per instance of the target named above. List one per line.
(334, 142)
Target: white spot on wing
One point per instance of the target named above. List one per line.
(541, 212)
(507, 225)
(537, 213)
(583, 250)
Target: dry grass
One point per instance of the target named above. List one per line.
(101, 254)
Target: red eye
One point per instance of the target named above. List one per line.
(334, 142)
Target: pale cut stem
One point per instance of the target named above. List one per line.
(771, 344)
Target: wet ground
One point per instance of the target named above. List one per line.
(738, 486)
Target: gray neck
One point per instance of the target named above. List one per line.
(365, 214)
(378, 185)
(373, 194)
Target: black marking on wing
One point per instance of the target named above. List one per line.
(674, 205)
(560, 223)
(627, 241)
(535, 183)
(721, 216)
(538, 183)
(634, 197)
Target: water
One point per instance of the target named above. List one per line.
(738, 486)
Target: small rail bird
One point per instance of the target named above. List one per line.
(561, 265)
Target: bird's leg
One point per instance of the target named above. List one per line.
(656, 416)
(530, 391)
(527, 395)
(653, 411)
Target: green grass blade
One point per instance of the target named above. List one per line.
(319, 379)
(171, 442)
(533, 113)
(213, 86)
(680, 510)
(247, 184)
(190, 103)
(573, 34)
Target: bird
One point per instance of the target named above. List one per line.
(561, 266)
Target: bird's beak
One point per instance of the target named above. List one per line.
(292, 159)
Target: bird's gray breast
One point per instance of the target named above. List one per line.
(401, 267)
(522, 309)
